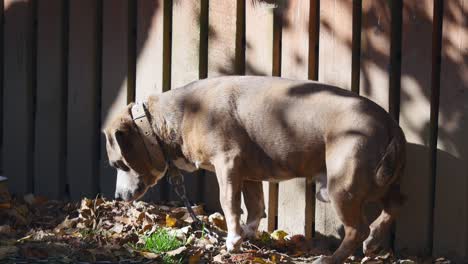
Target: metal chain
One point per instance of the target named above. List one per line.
(176, 179)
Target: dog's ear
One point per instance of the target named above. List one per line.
(123, 140)
(133, 147)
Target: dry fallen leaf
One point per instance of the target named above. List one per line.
(149, 255)
(176, 251)
(218, 220)
(171, 221)
(118, 228)
(279, 235)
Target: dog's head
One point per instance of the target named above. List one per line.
(139, 166)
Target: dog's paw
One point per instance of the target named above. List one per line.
(233, 242)
(323, 260)
(371, 246)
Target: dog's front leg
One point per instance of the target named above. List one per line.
(230, 182)
(255, 204)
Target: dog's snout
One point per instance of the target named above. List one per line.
(123, 196)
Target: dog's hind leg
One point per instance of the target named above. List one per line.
(347, 194)
(255, 203)
(380, 228)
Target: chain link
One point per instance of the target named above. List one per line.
(176, 179)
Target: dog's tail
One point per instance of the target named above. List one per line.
(391, 165)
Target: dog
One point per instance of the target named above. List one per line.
(249, 129)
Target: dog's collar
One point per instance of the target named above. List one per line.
(140, 119)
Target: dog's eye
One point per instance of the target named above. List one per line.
(120, 165)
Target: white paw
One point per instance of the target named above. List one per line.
(370, 247)
(233, 242)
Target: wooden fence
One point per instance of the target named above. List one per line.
(67, 64)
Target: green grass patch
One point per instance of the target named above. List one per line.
(162, 241)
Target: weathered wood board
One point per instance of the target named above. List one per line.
(83, 90)
(49, 154)
(149, 68)
(375, 51)
(451, 212)
(185, 64)
(222, 37)
(149, 62)
(335, 54)
(221, 61)
(115, 34)
(17, 110)
(412, 227)
(294, 64)
(185, 42)
(259, 60)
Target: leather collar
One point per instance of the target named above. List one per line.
(141, 120)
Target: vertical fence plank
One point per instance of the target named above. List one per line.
(18, 81)
(374, 82)
(451, 214)
(413, 230)
(222, 24)
(259, 38)
(49, 169)
(114, 73)
(149, 68)
(294, 64)
(185, 64)
(149, 61)
(375, 51)
(335, 67)
(259, 60)
(82, 136)
(185, 43)
(222, 38)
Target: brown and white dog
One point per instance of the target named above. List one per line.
(252, 129)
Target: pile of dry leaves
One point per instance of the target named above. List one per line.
(33, 229)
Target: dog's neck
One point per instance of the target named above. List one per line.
(166, 127)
